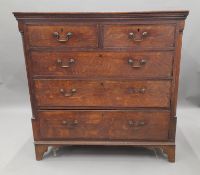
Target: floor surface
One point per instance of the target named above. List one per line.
(17, 151)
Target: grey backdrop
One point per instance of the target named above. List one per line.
(13, 83)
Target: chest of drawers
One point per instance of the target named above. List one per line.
(103, 78)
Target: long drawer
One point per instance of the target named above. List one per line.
(139, 36)
(99, 125)
(102, 64)
(69, 36)
(101, 93)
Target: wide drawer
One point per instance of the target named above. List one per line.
(139, 36)
(102, 64)
(63, 35)
(104, 125)
(102, 93)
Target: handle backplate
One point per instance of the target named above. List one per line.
(137, 90)
(61, 64)
(136, 124)
(62, 38)
(137, 37)
(70, 123)
(68, 94)
(137, 63)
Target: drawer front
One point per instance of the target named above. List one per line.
(64, 36)
(99, 125)
(102, 93)
(103, 64)
(139, 36)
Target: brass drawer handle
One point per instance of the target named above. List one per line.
(137, 63)
(136, 124)
(70, 62)
(137, 90)
(137, 39)
(62, 38)
(68, 94)
(70, 124)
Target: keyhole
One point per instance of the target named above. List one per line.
(61, 29)
(138, 30)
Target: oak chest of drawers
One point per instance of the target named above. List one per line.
(103, 78)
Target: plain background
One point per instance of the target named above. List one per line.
(17, 151)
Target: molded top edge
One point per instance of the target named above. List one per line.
(138, 15)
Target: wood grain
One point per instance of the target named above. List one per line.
(118, 36)
(103, 64)
(104, 125)
(103, 93)
(82, 35)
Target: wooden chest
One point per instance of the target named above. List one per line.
(103, 78)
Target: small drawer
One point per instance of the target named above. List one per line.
(102, 64)
(72, 36)
(139, 36)
(102, 93)
(104, 125)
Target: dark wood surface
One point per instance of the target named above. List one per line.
(103, 64)
(124, 68)
(82, 35)
(153, 15)
(102, 93)
(104, 125)
(118, 36)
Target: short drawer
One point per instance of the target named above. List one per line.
(139, 36)
(104, 125)
(102, 64)
(102, 93)
(72, 36)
